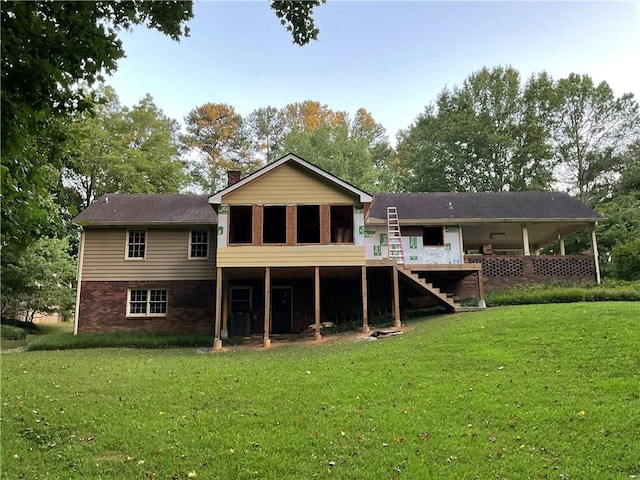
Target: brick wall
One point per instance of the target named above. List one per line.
(190, 307)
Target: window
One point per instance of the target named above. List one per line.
(341, 224)
(432, 237)
(136, 243)
(199, 244)
(308, 224)
(240, 223)
(147, 303)
(274, 224)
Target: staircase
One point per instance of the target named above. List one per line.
(394, 238)
(441, 297)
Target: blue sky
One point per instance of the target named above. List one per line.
(391, 58)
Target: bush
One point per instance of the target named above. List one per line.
(626, 260)
(9, 332)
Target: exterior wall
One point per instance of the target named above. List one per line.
(190, 307)
(167, 256)
(297, 256)
(289, 184)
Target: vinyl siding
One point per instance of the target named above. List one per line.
(289, 184)
(167, 256)
(298, 256)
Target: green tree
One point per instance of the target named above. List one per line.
(297, 18)
(488, 135)
(592, 130)
(267, 128)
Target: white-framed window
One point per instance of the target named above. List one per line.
(146, 302)
(136, 244)
(199, 244)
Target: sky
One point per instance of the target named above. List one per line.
(389, 57)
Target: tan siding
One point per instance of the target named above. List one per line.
(167, 254)
(299, 256)
(289, 184)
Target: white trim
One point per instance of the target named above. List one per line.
(208, 243)
(148, 303)
(78, 282)
(126, 244)
(364, 197)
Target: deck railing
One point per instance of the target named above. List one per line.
(536, 267)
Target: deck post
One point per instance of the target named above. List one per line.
(396, 298)
(317, 335)
(365, 308)
(525, 240)
(224, 334)
(217, 342)
(266, 342)
(481, 301)
(594, 249)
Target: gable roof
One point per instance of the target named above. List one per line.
(120, 209)
(479, 207)
(363, 196)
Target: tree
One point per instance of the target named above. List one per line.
(267, 128)
(488, 135)
(297, 18)
(123, 150)
(592, 130)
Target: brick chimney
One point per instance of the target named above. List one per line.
(233, 176)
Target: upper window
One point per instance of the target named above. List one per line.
(199, 244)
(432, 237)
(308, 220)
(240, 223)
(341, 224)
(274, 224)
(136, 243)
(147, 303)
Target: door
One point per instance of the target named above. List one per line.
(281, 309)
(240, 310)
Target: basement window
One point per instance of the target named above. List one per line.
(432, 237)
(274, 226)
(341, 224)
(240, 223)
(147, 303)
(308, 220)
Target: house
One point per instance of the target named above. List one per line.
(291, 246)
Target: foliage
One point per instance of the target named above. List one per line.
(534, 389)
(491, 134)
(562, 292)
(123, 150)
(626, 260)
(592, 130)
(297, 18)
(40, 279)
(9, 332)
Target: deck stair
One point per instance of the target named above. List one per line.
(394, 238)
(444, 298)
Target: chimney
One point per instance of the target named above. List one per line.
(233, 176)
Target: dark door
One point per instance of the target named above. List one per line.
(240, 309)
(281, 309)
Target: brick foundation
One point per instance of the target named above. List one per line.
(190, 307)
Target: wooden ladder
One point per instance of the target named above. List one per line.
(394, 239)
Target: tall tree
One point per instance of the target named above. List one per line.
(488, 135)
(267, 128)
(593, 128)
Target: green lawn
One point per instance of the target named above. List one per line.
(541, 391)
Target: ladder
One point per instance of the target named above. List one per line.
(394, 239)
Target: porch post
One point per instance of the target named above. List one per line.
(594, 249)
(481, 301)
(396, 298)
(562, 249)
(266, 342)
(317, 303)
(225, 309)
(525, 240)
(365, 308)
(217, 342)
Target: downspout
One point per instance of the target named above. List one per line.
(78, 282)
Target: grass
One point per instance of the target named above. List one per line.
(544, 391)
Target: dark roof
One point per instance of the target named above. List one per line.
(113, 209)
(488, 205)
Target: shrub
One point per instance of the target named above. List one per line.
(9, 332)
(626, 260)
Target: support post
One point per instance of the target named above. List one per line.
(525, 240)
(365, 308)
(217, 342)
(562, 248)
(594, 249)
(266, 342)
(224, 334)
(76, 313)
(396, 298)
(481, 301)
(316, 282)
